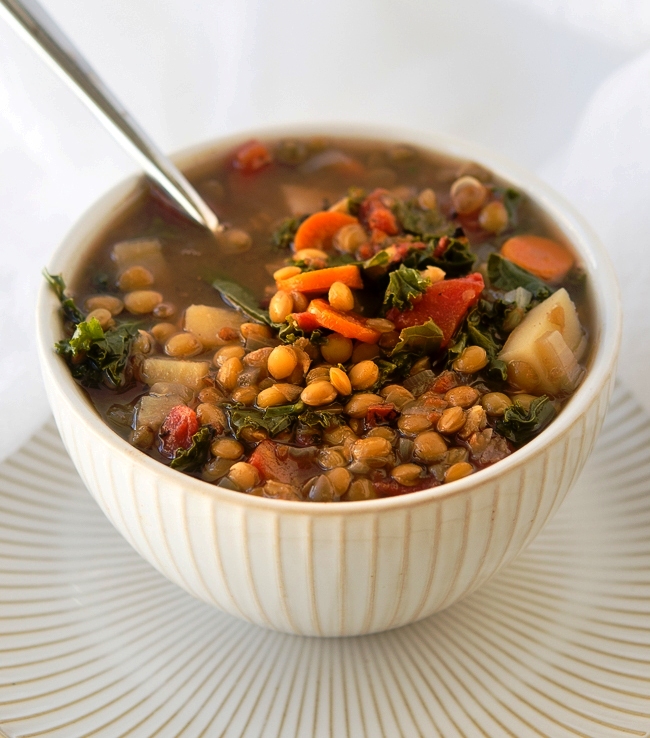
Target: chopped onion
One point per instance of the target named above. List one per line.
(520, 296)
(562, 368)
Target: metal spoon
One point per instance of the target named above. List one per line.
(30, 20)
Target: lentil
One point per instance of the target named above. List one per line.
(472, 360)
(340, 297)
(458, 471)
(318, 393)
(340, 381)
(364, 374)
(336, 349)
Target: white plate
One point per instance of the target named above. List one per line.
(93, 641)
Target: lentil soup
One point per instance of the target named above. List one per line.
(374, 319)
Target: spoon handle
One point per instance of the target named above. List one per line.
(30, 20)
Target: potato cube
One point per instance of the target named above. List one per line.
(206, 323)
(188, 373)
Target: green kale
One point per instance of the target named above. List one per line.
(322, 418)
(520, 425)
(425, 224)
(290, 332)
(196, 455)
(70, 310)
(422, 340)
(482, 330)
(404, 285)
(507, 276)
(273, 419)
(241, 298)
(511, 200)
(457, 259)
(96, 356)
(356, 195)
(282, 237)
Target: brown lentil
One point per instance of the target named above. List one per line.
(475, 420)
(244, 475)
(358, 405)
(370, 448)
(163, 331)
(318, 393)
(300, 301)
(451, 420)
(467, 194)
(213, 416)
(458, 471)
(340, 297)
(361, 489)
(142, 302)
(280, 306)
(270, 397)
(340, 479)
(164, 310)
(364, 352)
(363, 375)
(495, 403)
(226, 448)
(381, 325)
(183, 345)
(523, 375)
(230, 370)
(340, 381)
(227, 352)
(245, 395)
(113, 304)
(336, 349)
(427, 199)
(414, 423)
(493, 217)
(406, 474)
(135, 278)
(286, 273)
(282, 361)
(472, 359)
(463, 396)
(102, 316)
(429, 446)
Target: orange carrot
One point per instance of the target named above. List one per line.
(542, 257)
(320, 280)
(349, 325)
(318, 230)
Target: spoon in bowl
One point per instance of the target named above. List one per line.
(30, 20)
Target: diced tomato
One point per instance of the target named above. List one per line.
(306, 321)
(444, 382)
(251, 157)
(177, 430)
(378, 414)
(441, 247)
(285, 464)
(446, 303)
(377, 215)
(387, 487)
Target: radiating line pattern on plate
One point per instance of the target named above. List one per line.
(94, 642)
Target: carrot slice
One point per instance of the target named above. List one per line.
(349, 325)
(320, 280)
(320, 228)
(544, 258)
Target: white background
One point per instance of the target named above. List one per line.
(561, 86)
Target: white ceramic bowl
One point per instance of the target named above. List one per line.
(349, 568)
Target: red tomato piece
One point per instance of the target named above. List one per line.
(377, 215)
(177, 430)
(444, 382)
(378, 414)
(446, 303)
(251, 157)
(285, 464)
(306, 321)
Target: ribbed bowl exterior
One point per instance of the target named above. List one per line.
(339, 569)
(341, 574)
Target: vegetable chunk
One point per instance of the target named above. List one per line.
(208, 323)
(551, 341)
(446, 303)
(542, 257)
(321, 280)
(320, 228)
(188, 373)
(349, 325)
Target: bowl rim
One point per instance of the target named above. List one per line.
(602, 285)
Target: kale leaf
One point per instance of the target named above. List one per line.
(241, 298)
(520, 425)
(356, 195)
(482, 330)
(70, 310)
(273, 419)
(282, 237)
(290, 332)
(96, 356)
(505, 275)
(511, 200)
(457, 259)
(322, 418)
(404, 285)
(425, 224)
(196, 455)
(422, 340)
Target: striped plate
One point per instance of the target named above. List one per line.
(93, 641)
